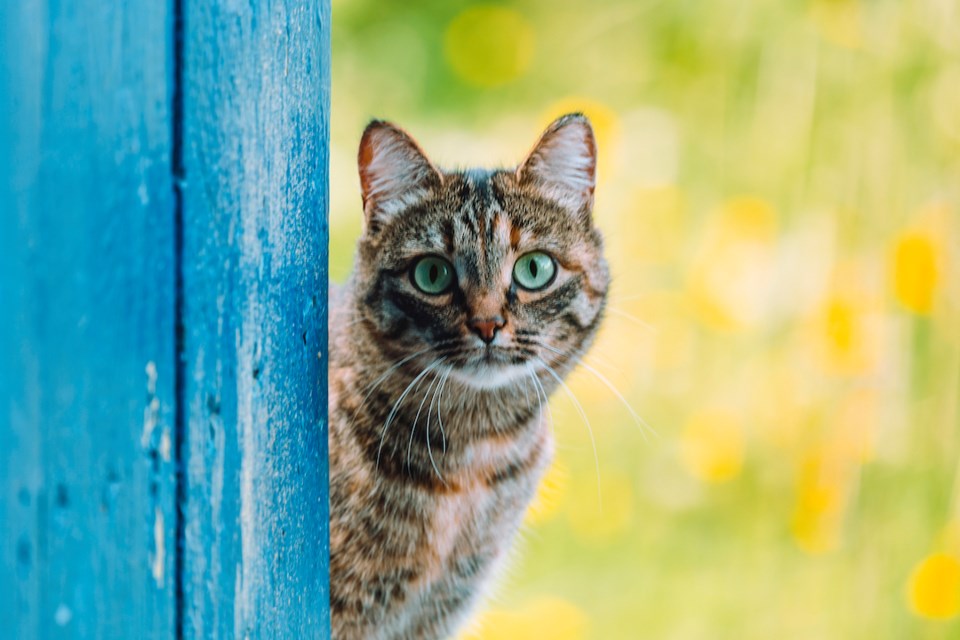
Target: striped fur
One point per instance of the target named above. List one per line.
(437, 440)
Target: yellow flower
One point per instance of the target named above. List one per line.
(712, 444)
(915, 271)
(489, 45)
(847, 341)
(822, 496)
(848, 332)
(818, 517)
(934, 588)
(544, 617)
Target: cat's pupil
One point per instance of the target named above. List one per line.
(533, 268)
(434, 273)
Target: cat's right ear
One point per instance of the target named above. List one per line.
(394, 173)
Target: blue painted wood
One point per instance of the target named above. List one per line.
(87, 324)
(256, 104)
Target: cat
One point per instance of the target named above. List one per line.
(473, 293)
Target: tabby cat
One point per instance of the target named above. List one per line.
(473, 294)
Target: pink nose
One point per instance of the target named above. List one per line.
(486, 328)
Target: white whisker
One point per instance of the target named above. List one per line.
(542, 398)
(396, 406)
(637, 321)
(443, 384)
(416, 419)
(429, 410)
(603, 361)
(373, 385)
(370, 388)
(537, 391)
(640, 422)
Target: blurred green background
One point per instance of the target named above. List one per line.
(779, 190)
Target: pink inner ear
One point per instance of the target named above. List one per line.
(393, 169)
(563, 163)
(570, 156)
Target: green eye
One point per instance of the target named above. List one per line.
(534, 270)
(432, 275)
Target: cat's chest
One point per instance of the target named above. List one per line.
(486, 503)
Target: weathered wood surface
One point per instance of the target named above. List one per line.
(97, 245)
(256, 85)
(87, 518)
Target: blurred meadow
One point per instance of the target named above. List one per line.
(780, 194)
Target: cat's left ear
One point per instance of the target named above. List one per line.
(394, 173)
(563, 164)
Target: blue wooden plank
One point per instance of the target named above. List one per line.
(255, 128)
(87, 328)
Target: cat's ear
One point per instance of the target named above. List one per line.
(394, 173)
(563, 164)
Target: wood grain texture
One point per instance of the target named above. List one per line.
(256, 96)
(87, 326)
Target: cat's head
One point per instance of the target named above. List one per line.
(491, 273)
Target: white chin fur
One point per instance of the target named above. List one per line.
(492, 376)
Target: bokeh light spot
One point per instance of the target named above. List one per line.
(849, 328)
(749, 217)
(915, 273)
(822, 496)
(488, 45)
(934, 587)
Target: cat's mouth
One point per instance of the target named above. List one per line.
(492, 355)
